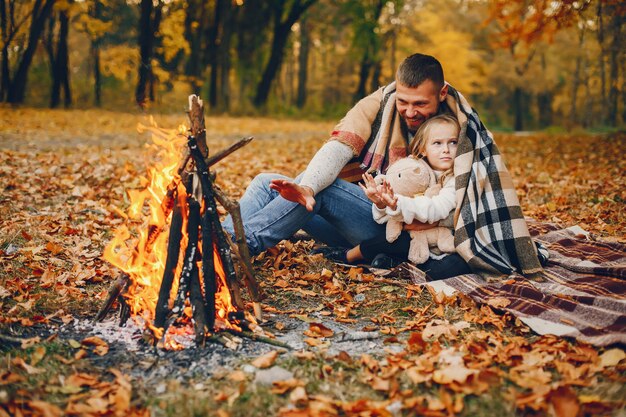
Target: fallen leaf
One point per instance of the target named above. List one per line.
(281, 387)
(45, 409)
(564, 401)
(37, 355)
(30, 370)
(265, 361)
(454, 373)
(237, 376)
(298, 396)
(101, 347)
(318, 330)
(612, 357)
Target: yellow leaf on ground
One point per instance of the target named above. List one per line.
(298, 396)
(265, 361)
(612, 357)
(45, 409)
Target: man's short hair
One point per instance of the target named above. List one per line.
(418, 68)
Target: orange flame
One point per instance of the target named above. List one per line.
(143, 255)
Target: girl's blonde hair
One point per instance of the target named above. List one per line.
(419, 142)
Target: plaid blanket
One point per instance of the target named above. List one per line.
(580, 294)
(375, 132)
(490, 231)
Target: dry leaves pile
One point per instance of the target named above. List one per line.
(64, 178)
(442, 351)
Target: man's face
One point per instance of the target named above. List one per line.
(416, 104)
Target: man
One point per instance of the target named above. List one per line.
(325, 200)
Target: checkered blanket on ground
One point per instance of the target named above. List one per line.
(580, 294)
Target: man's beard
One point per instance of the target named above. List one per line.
(410, 128)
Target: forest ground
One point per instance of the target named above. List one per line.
(64, 177)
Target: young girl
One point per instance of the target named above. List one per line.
(435, 141)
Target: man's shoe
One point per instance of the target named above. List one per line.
(383, 261)
(335, 254)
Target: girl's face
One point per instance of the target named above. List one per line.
(441, 145)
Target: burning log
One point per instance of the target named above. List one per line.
(173, 251)
(208, 268)
(211, 208)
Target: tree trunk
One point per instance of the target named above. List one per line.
(544, 101)
(614, 55)
(371, 49)
(61, 79)
(276, 57)
(4, 32)
(224, 57)
(95, 56)
(364, 72)
(303, 61)
(213, 50)
(375, 80)
(518, 108)
(17, 87)
(576, 79)
(600, 35)
(149, 21)
(195, 12)
(282, 29)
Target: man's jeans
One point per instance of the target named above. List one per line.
(342, 215)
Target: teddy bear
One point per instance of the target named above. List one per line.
(411, 177)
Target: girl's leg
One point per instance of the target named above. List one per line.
(398, 249)
(450, 266)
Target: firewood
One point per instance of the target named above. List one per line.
(195, 292)
(259, 338)
(173, 253)
(214, 159)
(242, 247)
(196, 118)
(208, 269)
(115, 290)
(188, 263)
(223, 248)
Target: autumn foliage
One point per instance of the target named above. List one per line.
(65, 178)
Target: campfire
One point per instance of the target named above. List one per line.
(182, 267)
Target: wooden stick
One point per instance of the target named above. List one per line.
(214, 159)
(190, 259)
(223, 248)
(195, 292)
(208, 269)
(196, 119)
(173, 253)
(124, 310)
(259, 338)
(115, 290)
(242, 246)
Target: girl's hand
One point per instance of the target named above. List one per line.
(387, 196)
(372, 190)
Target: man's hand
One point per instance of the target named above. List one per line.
(418, 226)
(291, 191)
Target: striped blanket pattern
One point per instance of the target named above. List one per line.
(490, 231)
(580, 294)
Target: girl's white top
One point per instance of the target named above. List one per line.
(421, 208)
